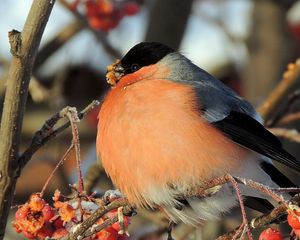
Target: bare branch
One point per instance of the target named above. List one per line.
(72, 114)
(24, 48)
(100, 227)
(289, 118)
(292, 98)
(46, 133)
(88, 223)
(289, 134)
(263, 220)
(88, 227)
(289, 80)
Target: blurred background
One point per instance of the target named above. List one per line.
(246, 44)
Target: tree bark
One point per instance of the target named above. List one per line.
(24, 48)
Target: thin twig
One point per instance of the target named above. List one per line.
(88, 223)
(54, 170)
(289, 134)
(265, 219)
(289, 118)
(208, 185)
(289, 80)
(244, 227)
(97, 228)
(291, 100)
(72, 114)
(199, 191)
(46, 133)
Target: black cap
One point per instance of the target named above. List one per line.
(144, 54)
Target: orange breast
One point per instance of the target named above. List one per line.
(151, 134)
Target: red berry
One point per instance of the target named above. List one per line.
(131, 8)
(47, 212)
(46, 231)
(22, 212)
(91, 8)
(105, 7)
(28, 235)
(104, 24)
(294, 219)
(36, 203)
(113, 230)
(59, 233)
(270, 234)
(58, 223)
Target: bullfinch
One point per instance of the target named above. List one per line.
(166, 126)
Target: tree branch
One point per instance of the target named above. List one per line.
(88, 223)
(289, 134)
(289, 80)
(263, 220)
(88, 227)
(292, 98)
(46, 133)
(24, 48)
(289, 118)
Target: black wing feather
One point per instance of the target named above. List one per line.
(249, 133)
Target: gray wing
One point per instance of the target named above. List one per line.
(215, 99)
(237, 118)
(218, 100)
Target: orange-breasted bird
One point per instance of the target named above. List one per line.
(167, 125)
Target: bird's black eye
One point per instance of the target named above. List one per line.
(134, 67)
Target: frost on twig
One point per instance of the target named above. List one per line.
(47, 132)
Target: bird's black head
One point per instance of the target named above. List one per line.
(144, 54)
(141, 55)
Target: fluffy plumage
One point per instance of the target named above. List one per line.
(157, 137)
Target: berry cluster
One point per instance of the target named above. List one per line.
(294, 221)
(106, 14)
(36, 219)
